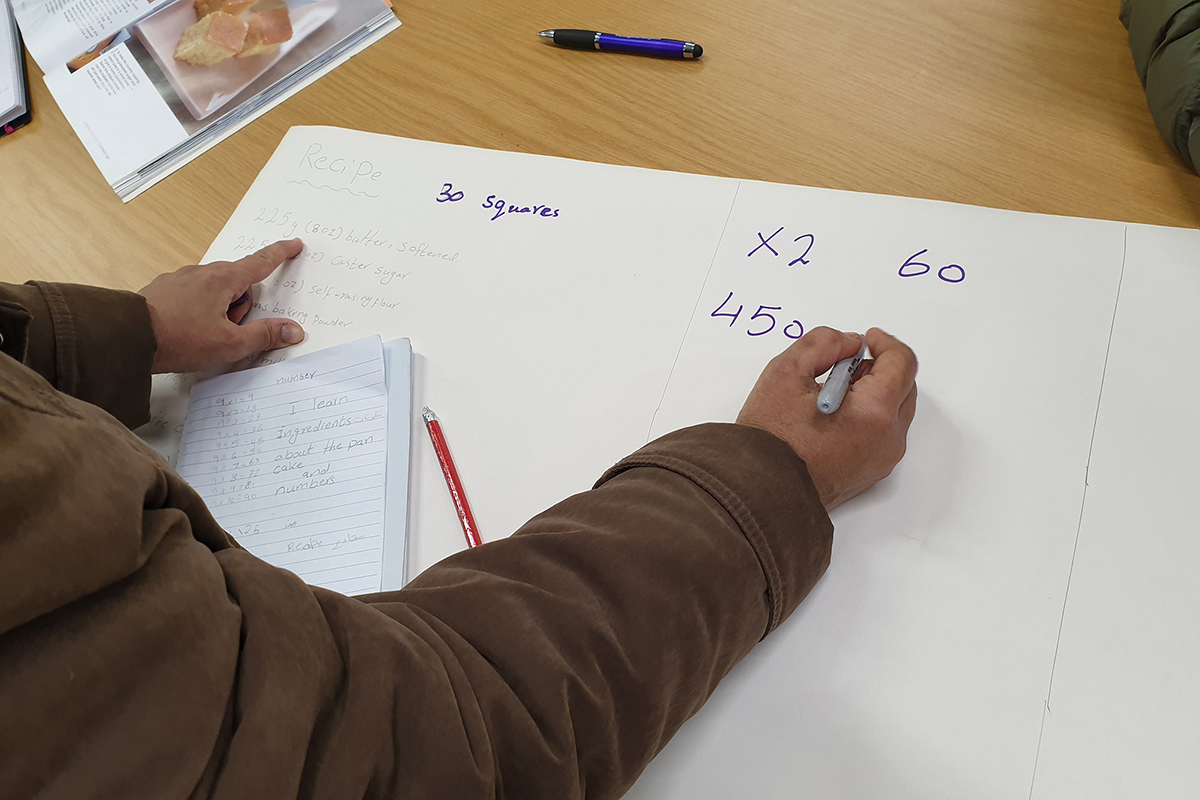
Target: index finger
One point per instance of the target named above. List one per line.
(894, 372)
(257, 266)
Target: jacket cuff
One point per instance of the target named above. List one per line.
(765, 487)
(96, 345)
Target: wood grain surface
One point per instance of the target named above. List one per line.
(1021, 104)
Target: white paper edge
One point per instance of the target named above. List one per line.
(397, 362)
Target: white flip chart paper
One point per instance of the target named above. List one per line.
(517, 318)
(291, 459)
(562, 313)
(1120, 719)
(923, 656)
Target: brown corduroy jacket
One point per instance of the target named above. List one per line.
(143, 654)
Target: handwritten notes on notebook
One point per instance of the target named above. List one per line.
(292, 460)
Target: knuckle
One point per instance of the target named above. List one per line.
(216, 273)
(877, 418)
(824, 332)
(784, 370)
(780, 363)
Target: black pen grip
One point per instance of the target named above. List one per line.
(575, 39)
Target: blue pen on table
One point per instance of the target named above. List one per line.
(595, 40)
(834, 390)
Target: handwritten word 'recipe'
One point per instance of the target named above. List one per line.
(339, 165)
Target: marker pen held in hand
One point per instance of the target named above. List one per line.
(834, 391)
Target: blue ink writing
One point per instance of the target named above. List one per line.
(448, 194)
(766, 242)
(793, 330)
(502, 208)
(802, 259)
(911, 268)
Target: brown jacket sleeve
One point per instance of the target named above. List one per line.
(94, 344)
(142, 655)
(585, 640)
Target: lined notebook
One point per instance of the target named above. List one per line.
(305, 462)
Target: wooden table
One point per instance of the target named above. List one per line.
(1016, 104)
(1019, 104)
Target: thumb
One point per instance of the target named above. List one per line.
(269, 334)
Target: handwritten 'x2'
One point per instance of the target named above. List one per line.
(767, 244)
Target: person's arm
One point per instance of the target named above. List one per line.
(101, 345)
(557, 663)
(93, 344)
(585, 640)
(143, 655)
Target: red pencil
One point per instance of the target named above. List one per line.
(452, 480)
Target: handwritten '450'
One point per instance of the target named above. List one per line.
(761, 322)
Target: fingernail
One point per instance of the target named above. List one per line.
(292, 334)
(245, 296)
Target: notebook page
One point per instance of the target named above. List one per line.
(291, 460)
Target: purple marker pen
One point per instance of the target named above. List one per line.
(594, 40)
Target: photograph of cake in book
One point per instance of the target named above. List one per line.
(150, 84)
(206, 54)
(229, 29)
(210, 51)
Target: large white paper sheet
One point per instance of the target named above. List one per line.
(562, 313)
(923, 656)
(543, 338)
(1121, 716)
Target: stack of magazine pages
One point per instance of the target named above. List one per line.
(148, 85)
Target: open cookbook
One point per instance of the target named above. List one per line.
(148, 85)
